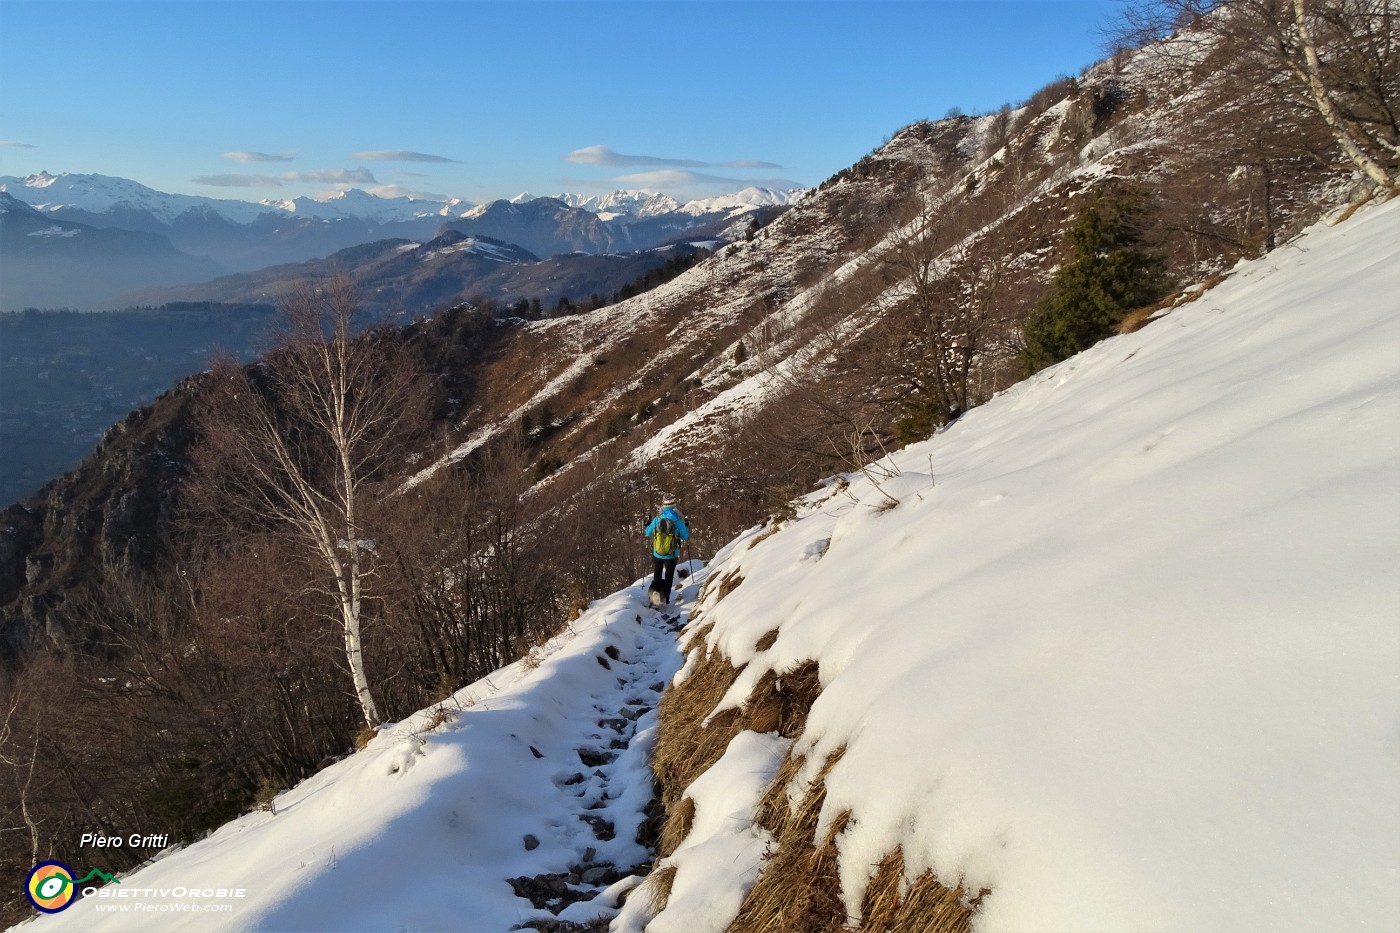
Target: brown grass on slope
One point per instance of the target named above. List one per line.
(799, 889)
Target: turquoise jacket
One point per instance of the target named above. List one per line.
(682, 531)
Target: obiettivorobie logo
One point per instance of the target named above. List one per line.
(51, 886)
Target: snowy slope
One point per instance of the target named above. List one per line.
(422, 829)
(1123, 645)
(1120, 646)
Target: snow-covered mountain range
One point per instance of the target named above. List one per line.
(642, 204)
(232, 236)
(65, 194)
(41, 255)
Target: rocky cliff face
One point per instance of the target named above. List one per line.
(108, 519)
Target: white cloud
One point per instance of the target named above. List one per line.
(399, 191)
(608, 158)
(243, 156)
(344, 177)
(670, 178)
(602, 155)
(333, 176)
(15, 145)
(749, 163)
(398, 155)
(239, 181)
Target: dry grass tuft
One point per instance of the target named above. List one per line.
(686, 747)
(926, 907)
(1355, 206)
(441, 717)
(800, 888)
(780, 702)
(577, 606)
(363, 737)
(529, 647)
(696, 637)
(657, 888)
(710, 583)
(774, 809)
(266, 797)
(679, 821)
(763, 536)
(1137, 320)
(728, 584)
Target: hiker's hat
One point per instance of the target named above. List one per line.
(668, 500)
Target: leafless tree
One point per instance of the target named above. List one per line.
(299, 443)
(952, 273)
(1341, 58)
(14, 757)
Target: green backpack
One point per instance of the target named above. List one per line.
(663, 540)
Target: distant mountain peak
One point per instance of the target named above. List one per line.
(91, 194)
(9, 202)
(40, 180)
(619, 202)
(750, 198)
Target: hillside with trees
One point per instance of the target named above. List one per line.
(176, 613)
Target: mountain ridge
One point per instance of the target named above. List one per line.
(240, 237)
(40, 249)
(95, 194)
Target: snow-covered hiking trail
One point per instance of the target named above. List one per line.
(515, 804)
(609, 792)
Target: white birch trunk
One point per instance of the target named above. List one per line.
(1311, 75)
(354, 656)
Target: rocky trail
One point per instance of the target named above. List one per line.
(595, 839)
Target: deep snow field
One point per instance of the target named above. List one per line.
(1121, 646)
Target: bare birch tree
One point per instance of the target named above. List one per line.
(1340, 58)
(301, 443)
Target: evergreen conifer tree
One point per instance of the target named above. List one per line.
(1109, 275)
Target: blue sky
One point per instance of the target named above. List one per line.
(478, 100)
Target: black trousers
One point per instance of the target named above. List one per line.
(664, 575)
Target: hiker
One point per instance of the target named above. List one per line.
(666, 532)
